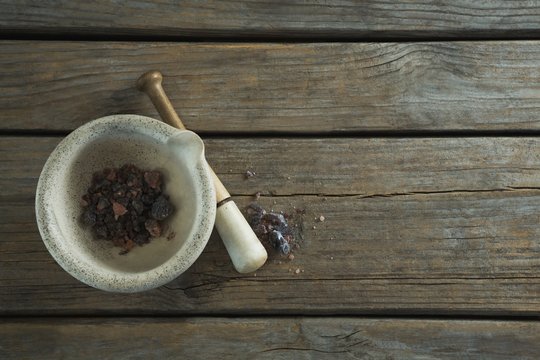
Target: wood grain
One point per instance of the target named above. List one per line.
(460, 254)
(278, 19)
(455, 232)
(291, 88)
(359, 167)
(279, 338)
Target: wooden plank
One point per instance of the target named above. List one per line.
(327, 166)
(277, 19)
(455, 232)
(294, 88)
(268, 338)
(440, 254)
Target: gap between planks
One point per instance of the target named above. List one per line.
(307, 37)
(413, 134)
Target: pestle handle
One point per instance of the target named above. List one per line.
(243, 246)
(150, 83)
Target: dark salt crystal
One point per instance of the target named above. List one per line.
(89, 217)
(161, 208)
(126, 206)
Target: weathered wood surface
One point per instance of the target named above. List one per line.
(328, 166)
(311, 19)
(413, 226)
(278, 338)
(297, 88)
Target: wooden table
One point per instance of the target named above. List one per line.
(411, 126)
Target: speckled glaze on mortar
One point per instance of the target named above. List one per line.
(111, 142)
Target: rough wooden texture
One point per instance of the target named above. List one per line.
(307, 19)
(328, 166)
(412, 226)
(254, 88)
(279, 338)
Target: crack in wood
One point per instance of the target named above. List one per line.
(394, 194)
(304, 349)
(420, 281)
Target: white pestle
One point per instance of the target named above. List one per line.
(246, 251)
(243, 246)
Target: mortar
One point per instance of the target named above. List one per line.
(111, 142)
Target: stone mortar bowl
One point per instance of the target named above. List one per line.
(111, 142)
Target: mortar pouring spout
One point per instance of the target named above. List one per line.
(189, 144)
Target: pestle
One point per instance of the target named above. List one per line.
(243, 246)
